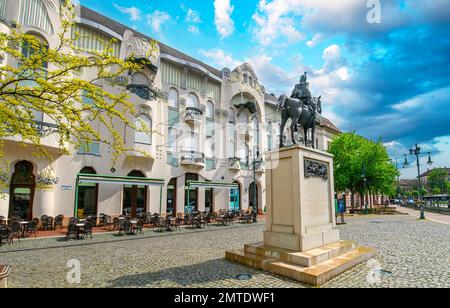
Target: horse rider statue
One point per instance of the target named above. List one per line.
(301, 90)
(302, 109)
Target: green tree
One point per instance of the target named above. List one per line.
(438, 178)
(51, 80)
(362, 166)
(436, 191)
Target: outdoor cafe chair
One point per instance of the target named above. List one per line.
(59, 222)
(72, 231)
(4, 234)
(140, 226)
(32, 228)
(16, 231)
(47, 224)
(86, 230)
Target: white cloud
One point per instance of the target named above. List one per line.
(193, 29)
(220, 58)
(316, 39)
(332, 52)
(193, 17)
(157, 19)
(223, 21)
(133, 12)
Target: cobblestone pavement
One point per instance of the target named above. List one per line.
(413, 253)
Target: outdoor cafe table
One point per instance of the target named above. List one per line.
(23, 227)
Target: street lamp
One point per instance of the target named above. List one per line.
(417, 152)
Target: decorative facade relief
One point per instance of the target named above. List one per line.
(316, 169)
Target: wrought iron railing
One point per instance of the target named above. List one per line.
(44, 128)
(192, 157)
(234, 163)
(193, 113)
(143, 91)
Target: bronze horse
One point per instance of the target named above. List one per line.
(296, 110)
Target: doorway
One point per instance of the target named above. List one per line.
(23, 184)
(135, 197)
(235, 200)
(87, 196)
(191, 194)
(253, 195)
(172, 197)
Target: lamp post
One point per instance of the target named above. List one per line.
(417, 152)
(256, 160)
(365, 187)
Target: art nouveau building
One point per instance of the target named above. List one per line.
(212, 128)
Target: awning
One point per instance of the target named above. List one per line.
(83, 178)
(197, 184)
(119, 180)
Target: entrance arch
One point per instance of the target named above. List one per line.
(134, 196)
(192, 195)
(235, 198)
(23, 185)
(172, 197)
(87, 196)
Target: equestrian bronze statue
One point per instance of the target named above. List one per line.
(302, 109)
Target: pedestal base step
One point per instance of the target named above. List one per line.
(279, 262)
(306, 259)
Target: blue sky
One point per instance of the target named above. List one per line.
(386, 79)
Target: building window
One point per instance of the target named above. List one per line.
(255, 134)
(33, 13)
(269, 136)
(90, 40)
(210, 110)
(173, 98)
(192, 101)
(89, 148)
(143, 129)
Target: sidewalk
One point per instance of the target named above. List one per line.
(440, 218)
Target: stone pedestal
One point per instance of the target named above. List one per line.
(301, 240)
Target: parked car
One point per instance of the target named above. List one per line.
(411, 202)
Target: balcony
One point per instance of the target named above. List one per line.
(47, 132)
(260, 167)
(192, 158)
(143, 91)
(193, 115)
(234, 164)
(143, 151)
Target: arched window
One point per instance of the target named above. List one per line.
(231, 146)
(173, 98)
(192, 101)
(255, 134)
(143, 129)
(33, 13)
(140, 79)
(210, 109)
(173, 144)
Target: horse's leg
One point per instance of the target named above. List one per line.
(305, 131)
(293, 126)
(283, 124)
(313, 132)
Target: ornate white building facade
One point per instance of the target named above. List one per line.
(213, 128)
